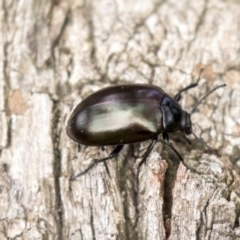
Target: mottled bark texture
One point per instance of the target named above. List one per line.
(53, 53)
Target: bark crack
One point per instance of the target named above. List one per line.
(168, 185)
(57, 171)
(6, 74)
(56, 41)
(126, 182)
(202, 215)
(92, 223)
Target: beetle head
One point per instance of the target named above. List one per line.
(186, 124)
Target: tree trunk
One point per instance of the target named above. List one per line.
(55, 53)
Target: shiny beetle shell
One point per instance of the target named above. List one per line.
(118, 115)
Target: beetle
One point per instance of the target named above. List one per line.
(126, 114)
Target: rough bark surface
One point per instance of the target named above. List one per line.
(55, 53)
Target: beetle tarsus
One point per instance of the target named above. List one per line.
(83, 172)
(95, 161)
(188, 141)
(166, 139)
(150, 147)
(190, 168)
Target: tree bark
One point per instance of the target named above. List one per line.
(55, 53)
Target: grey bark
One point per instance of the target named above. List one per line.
(55, 53)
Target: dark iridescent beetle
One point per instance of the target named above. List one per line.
(127, 114)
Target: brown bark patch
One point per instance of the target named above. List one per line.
(16, 103)
(208, 72)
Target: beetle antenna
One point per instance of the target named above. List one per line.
(199, 102)
(201, 140)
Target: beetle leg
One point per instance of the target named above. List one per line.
(189, 142)
(166, 139)
(146, 154)
(178, 96)
(95, 161)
